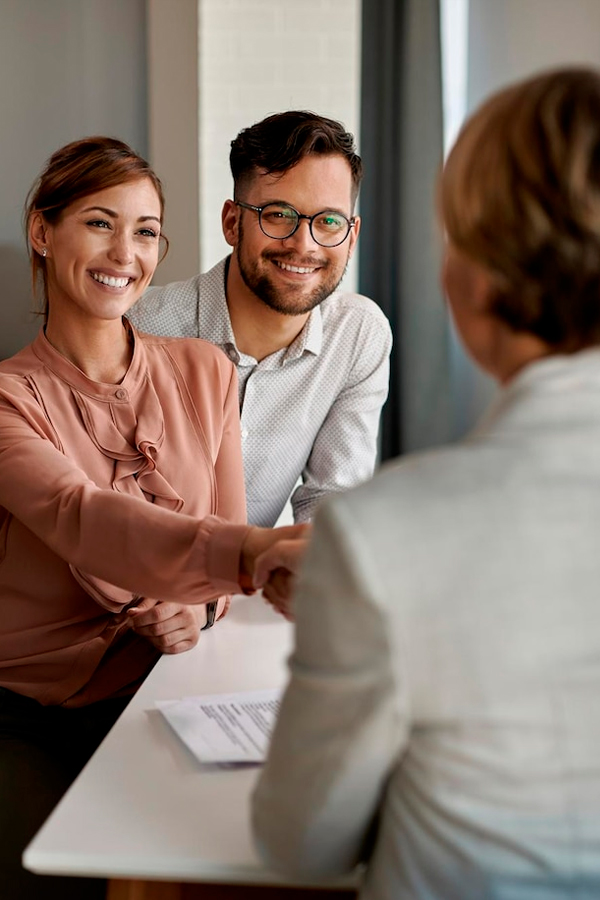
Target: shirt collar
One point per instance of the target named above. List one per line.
(216, 321)
(555, 376)
(69, 373)
(309, 340)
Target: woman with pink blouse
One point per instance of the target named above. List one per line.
(122, 511)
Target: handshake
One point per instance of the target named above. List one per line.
(270, 560)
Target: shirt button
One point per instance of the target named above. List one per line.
(232, 354)
(121, 394)
(244, 433)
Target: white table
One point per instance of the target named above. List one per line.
(144, 808)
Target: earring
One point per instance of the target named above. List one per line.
(44, 253)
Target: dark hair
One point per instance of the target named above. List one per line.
(279, 142)
(520, 194)
(80, 168)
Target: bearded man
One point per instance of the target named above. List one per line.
(313, 362)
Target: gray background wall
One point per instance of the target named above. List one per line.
(507, 40)
(68, 68)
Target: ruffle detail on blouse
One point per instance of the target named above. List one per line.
(107, 422)
(135, 462)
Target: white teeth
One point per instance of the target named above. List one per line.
(110, 281)
(301, 270)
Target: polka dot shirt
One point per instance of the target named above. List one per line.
(310, 412)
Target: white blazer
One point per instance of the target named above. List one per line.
(445, 683)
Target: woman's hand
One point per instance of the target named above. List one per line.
(257, 541)
(170, 627)
(274, 556)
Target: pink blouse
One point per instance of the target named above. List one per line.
(109, 493)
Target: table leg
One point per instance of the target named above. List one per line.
(143, 890)
(165, 890)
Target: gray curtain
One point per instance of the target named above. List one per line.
(401, 144)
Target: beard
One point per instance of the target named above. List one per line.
(292, 300)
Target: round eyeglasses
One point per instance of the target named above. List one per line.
(328, 228)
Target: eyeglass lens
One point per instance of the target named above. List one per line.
(328, 227)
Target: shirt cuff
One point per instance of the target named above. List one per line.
(223, 544)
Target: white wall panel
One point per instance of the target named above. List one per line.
(263, 56)
(508, 40)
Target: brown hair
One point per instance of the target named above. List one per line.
(80, 168)
(520, 194)
(281, 141)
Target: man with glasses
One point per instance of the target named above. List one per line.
(313, 362)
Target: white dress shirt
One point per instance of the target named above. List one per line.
(309, 411)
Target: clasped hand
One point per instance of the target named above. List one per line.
(271, 559)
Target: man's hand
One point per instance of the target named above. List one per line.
(170, 627)
(275, 571)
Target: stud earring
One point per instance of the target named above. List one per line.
(44, 253)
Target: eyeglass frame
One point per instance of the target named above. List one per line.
(259, 210)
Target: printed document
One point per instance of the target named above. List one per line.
(225, 728)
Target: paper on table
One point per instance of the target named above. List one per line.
(224, 728)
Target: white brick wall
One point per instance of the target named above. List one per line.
(258, 57)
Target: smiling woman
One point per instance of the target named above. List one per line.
(122, 511)
(99, 256)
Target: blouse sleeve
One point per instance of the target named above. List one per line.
(121, 539)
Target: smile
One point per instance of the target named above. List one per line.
(110, 280)
(300, 270)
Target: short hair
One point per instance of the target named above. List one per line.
(281, 141)
(80, 168)
(520, 194)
